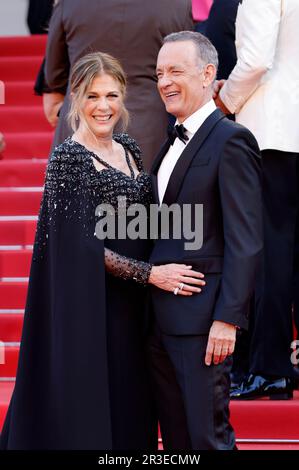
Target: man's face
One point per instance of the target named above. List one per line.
(181, 79)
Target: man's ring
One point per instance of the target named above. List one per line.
(176, 290)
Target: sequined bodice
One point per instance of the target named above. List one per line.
(110, 183)
(74, 188)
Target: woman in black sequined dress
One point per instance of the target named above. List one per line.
(82, 379)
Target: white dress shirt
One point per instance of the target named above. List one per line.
(191, 124)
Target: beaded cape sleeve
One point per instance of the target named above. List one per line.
(127, 268)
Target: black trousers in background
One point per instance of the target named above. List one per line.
(273, 323)
(192, 399)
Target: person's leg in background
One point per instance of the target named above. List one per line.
(296, 278)
(270, 356)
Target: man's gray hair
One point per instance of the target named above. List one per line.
(206, 52)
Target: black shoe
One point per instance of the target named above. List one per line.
(257, 386)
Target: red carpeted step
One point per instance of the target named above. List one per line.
(24, 118)
(11, 325)
(11, 355)
(19, 202)
(266, 419)
(23, 45)
(19, 68)
(20, 93)
(17, 232)
(267, 423)
(13, 295)
(260, 446)
(22, 172)
(27, 144)
(15, 263)
(6, 389)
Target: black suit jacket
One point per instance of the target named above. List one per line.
(220, 168)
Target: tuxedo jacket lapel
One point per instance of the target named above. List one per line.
(155, 168)
(177, 177)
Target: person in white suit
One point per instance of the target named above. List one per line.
(263, 92)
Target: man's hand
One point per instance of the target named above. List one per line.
(171, 276)
(52, 103)
(219, 103)
(221, 342)
(216, 97)
(218, 84)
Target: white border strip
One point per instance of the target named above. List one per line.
(11, 311)
(14, 218)
(23, 189)
(15, 247)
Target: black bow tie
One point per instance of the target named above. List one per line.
(178, 131)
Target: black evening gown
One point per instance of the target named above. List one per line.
(82, 378)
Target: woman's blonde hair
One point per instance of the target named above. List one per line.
(84, 71)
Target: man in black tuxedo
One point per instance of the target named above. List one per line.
(221, 30)
(215, 162)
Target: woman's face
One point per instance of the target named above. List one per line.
(102, 105)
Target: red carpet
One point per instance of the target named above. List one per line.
(25, 118)
(15, 263)
(21, 145)
(266, 419)
(17, 201)
(23, 46)
(28, 137)
(11, 324)
(21, 93)
(16, 173)
(22, 169)
(27, 66)
(17, 232)
(11, 360)
(12, 295)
